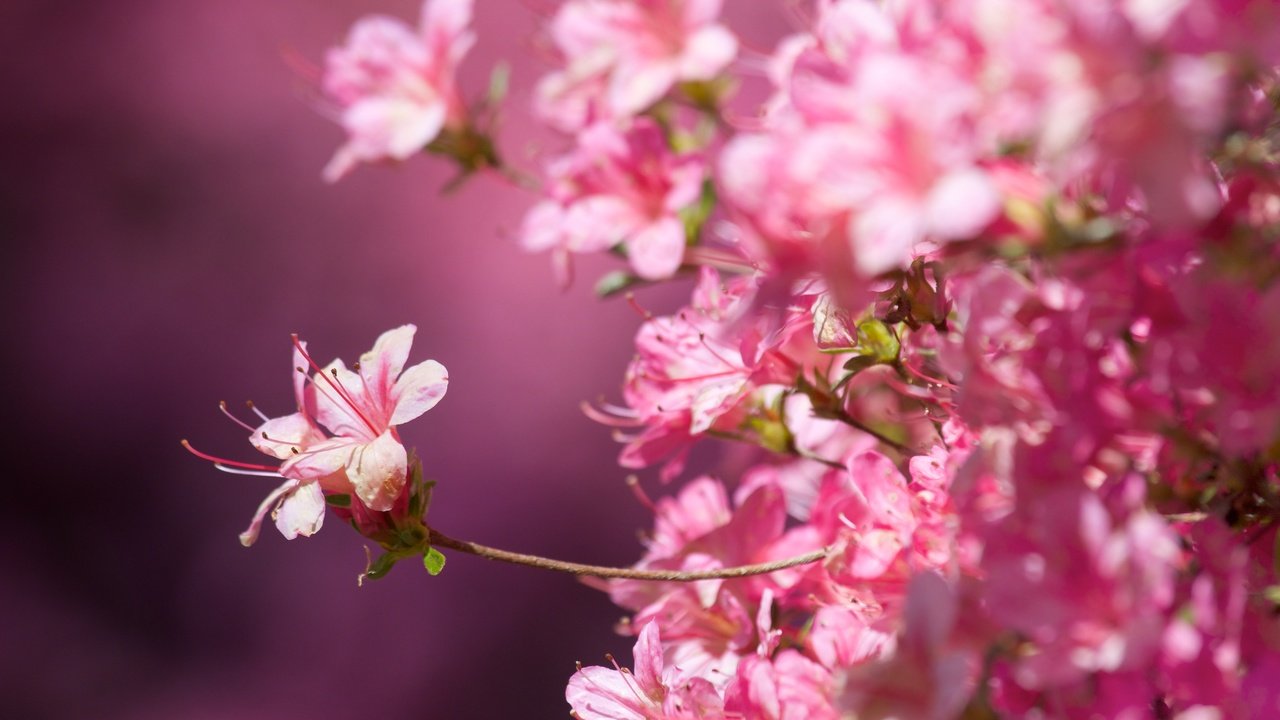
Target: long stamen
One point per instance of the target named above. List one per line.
(222, 405)
(237, 471)
(333, 382)
(633, 482)
(343, 405)
(223, 461)
(249, 404)
(634, 305)
(279, 441)
(702, 338)
(608, 415)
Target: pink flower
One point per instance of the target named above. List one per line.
(394, 86)
(619, 189)
(788, 687)
(925, 676)
(650, 692)
(710, 624)
(361, 410)
(622, 56)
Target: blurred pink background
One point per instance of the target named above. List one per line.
(166, 229)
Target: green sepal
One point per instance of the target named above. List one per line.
(1272, 594)
(433, 561)
(379, 568)
(340, 500)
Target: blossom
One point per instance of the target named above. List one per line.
(342, 439)
(621, 56)
(394, 86)
(618, 188)
(650, 692)
(362, 408)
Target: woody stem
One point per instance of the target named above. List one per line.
(441, 540)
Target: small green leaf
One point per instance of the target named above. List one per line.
(877, 339)
(499, 82)
(615, 282)
(433, 561)
(338, 500)
(859, 363)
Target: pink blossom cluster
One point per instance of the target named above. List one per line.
(986, 292)
(989, 286)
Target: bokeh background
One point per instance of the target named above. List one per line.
(165, 228)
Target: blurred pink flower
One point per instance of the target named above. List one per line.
(394, 86)
(621, 56)
(650, 692)
(618, 188)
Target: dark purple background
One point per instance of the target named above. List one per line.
(165, 229)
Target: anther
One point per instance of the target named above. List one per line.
(294, 450)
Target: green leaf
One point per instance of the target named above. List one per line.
(499, 82)
(876, 339)
(859, 363)
(338, 500)
(615, 282)
(433, 561)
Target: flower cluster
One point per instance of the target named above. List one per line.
(988, 295)
(975, 286)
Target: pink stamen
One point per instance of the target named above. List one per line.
(337, 386)
(719, 259)
(611, 415)
(223, 461)
(634, 305)
(222, 405)
(633, 482)
(249, 404)
(702, 338)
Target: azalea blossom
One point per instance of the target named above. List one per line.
(618, 188)
(652, 691)
(621, 56)
(394, 85)
(342, 439)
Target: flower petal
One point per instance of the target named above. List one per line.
(320, 460)
(658, 249)
(707, 52)
(378, 471)
(648, 661)
(418, 390)
(250, 535)
(380, 367)
(301, 512)
(278, 437)
(343, 406)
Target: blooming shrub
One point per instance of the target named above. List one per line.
(992, 288)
